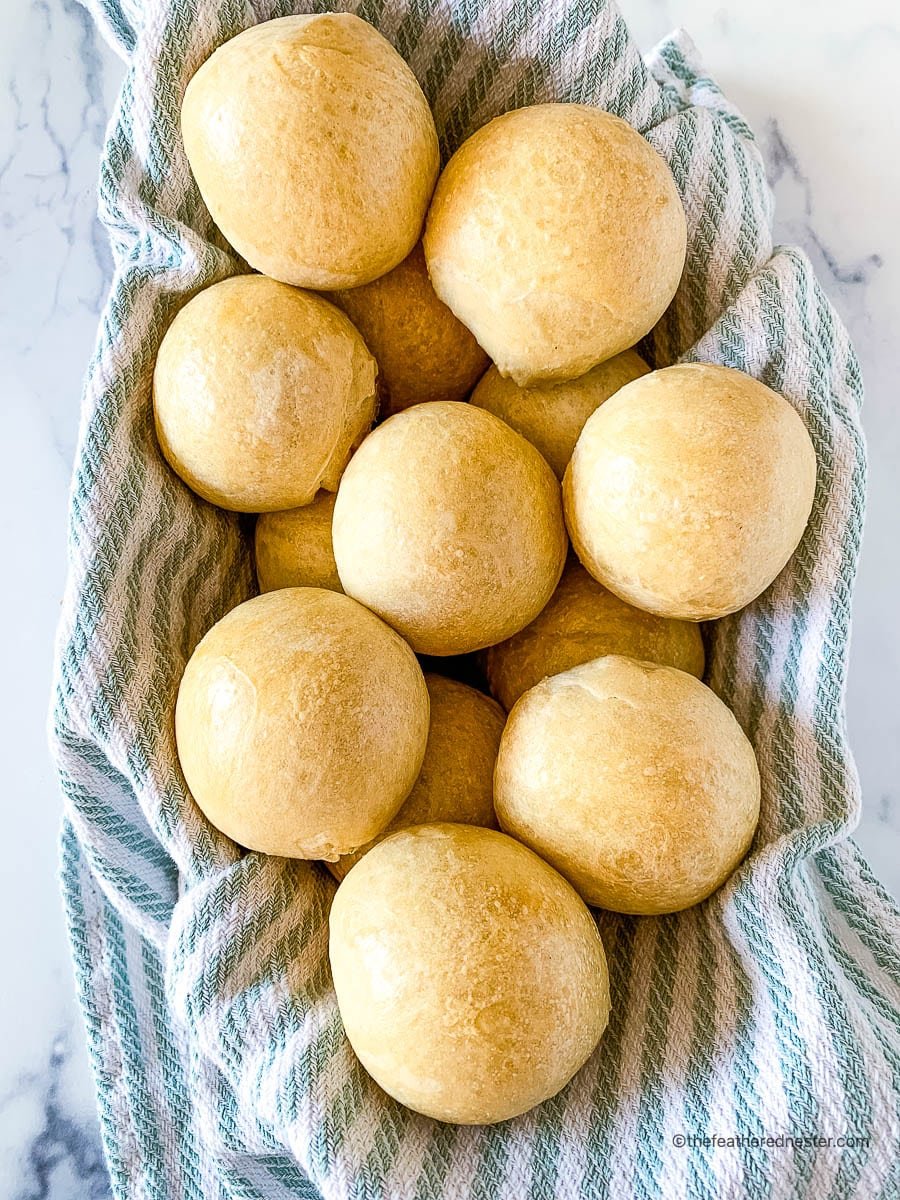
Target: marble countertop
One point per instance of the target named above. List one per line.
(820, 96)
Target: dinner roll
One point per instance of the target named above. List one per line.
(423, 352)
(556, 234)
(301, 723)
(551, 415)
(313, 148)
(632, 779)
(448, 524)
(260, 393)
(689, 490)
(471, 980)
(584, 621)
(456, 782)
(293, 548)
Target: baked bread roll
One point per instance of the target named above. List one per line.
(293, 548)
(456, 782)
(313, 148)
(632, 779)
(260, 393)
(556, 234)
(423, 352)
(301, 723)
(471, 980)
(448, 525)
(689, 490)
(552, 415)
(584, 621)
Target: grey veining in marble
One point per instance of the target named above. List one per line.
(57, 87)
(786, 171)
(816, 82)
(63, 1156)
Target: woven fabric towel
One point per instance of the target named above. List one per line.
(769, 1012)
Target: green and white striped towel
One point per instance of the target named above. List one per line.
(771, 1011)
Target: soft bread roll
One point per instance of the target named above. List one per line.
(293, 548)
(632, 779)
(689, 490)
(556, 234)
(314, 149)
(584, 621)
(260, 393)
(456, 782)
(470, 978)
(423, 352)
(552, 415)
(301, 723)
(448, 525)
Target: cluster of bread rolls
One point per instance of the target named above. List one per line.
(489, 314)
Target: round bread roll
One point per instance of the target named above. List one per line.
(584, 621)
(448, 524)
(301, 723)
(633, 780)
(689, 490)
(456, 782)
(313, 148)
(552, 415)
(293, 548)
(471, 980)
(556, 234)
(423, 352)
(260, 393)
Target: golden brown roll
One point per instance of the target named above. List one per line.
(301, 723)
(293, 548)
(584, 621)
(470, 978)
(456, 782)
(423, 352)
(448, 525)
(552, 415)
(314, 149)
(260, 393)
(689, 490)
(632, 779)
(556, 234)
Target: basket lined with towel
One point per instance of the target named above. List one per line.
(754, 1044)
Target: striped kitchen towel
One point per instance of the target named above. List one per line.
(754, 1046)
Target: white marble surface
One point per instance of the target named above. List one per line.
(817, 82)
